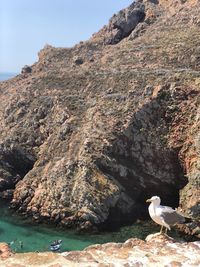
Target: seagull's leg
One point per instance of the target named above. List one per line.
(161, 229)
(166, 230)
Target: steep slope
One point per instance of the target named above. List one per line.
(88, 133)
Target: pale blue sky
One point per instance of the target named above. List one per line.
(27, 25)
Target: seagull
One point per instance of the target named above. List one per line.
(163, 215)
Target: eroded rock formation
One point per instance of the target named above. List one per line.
(94, 130)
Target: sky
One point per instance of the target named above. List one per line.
(26, 26)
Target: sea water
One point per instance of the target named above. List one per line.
(25, 236)
(6, 75)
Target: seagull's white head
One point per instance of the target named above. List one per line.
(154, 199)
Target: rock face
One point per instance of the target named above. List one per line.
(94, 130)
(157, 251)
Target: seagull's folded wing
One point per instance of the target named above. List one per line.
(170, 216)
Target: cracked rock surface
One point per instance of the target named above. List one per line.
(92, 131)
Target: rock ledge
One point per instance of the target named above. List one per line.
(157, 250)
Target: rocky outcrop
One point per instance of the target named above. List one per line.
(124, 22)
(26, 69)
(5, 251)
(129, 21)
(97, 129)
(157, 251)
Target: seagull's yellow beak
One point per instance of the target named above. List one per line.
(148, 200)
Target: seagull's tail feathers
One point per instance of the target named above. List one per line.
(183, 219)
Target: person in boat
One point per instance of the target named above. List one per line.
(12, 242)
(21, 244)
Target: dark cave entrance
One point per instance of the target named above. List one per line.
(20, 161)
(15, 163)
(169, 192)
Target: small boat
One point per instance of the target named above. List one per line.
(55, 245)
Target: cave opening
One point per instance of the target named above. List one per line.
(15, 164)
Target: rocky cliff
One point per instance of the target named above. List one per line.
(88, 133)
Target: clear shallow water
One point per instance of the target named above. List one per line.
(6, 76)
(37, 237)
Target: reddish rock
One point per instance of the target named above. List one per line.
(5, 251)
(85, 143)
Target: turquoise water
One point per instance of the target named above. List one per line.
(37, 237)
(6, 76)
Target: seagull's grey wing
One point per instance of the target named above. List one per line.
(170, 216)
